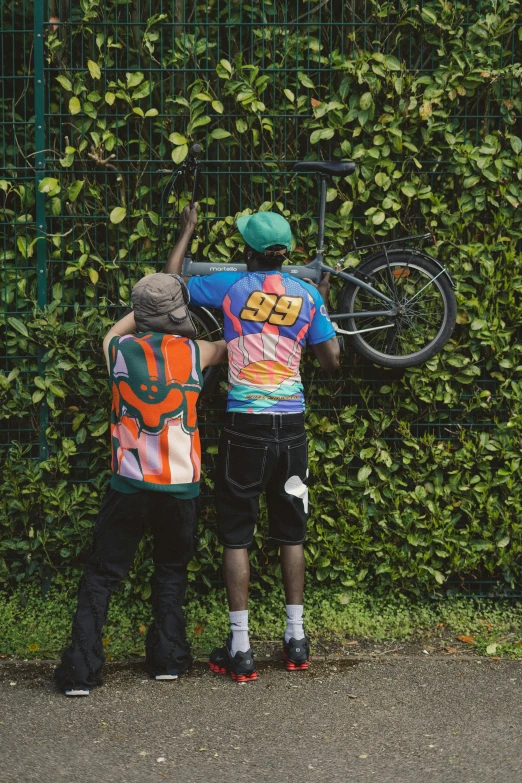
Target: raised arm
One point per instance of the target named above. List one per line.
(189, 219)
(323, 287)
(322, 338)
(126, 325)
(211, 353)
(328, 354)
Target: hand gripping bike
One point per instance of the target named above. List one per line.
(397, 307)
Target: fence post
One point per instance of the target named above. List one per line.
(41, 225)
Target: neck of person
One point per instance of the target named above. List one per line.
(254, 265)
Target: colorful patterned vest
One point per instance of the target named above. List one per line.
(156, 380)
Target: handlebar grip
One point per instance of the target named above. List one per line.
(195, 150)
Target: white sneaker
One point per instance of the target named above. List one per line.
(166, 677)
(77, 692)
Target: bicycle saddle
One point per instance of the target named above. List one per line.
(331, 167)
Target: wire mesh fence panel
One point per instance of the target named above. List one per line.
(100, 104)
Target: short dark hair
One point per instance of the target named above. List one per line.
(270, 258)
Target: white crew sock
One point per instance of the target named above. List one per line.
(239, 628)
(294, 622)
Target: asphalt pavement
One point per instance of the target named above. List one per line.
(391, 720)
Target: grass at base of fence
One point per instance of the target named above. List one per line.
(33, 627)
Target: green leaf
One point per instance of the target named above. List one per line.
(305, 80)
(178, 138)
(180, 153)
(477, 324)
(226, 65)
(24, 246)
(223, 72)
(18, 325)
(117, 215)
(364, 472)
(345, 208)
(491, 648)
(220, 133)
(75, 106)
(408, 190)
(378, 218)
(110, 98)
(151, 113)
(100, 430)
(218, 107)
(199, 121)
(392, 63)
(133, 79)
(382, 180)
(65, 82)
(57, 390)
(142, 91)
(90, 110)
(94, 69)
(366, 101)
(47, 184)
(322, 133)
(516, 143)
(73, 191)
(428, 16)
(290, 95)
(503, 542)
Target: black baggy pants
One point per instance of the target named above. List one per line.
(121, 523)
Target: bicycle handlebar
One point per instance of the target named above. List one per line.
(191, 268)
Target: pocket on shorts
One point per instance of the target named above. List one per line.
(298, 459)
(245, 465)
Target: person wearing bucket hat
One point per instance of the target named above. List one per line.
(155, 367)
(269, 317)
(161, 305)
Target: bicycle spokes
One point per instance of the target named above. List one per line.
(420, 309)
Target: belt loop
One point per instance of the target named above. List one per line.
(233, 418)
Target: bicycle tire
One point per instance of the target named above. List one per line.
(418, 261)
(207, 329)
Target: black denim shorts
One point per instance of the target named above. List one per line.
(262, 453)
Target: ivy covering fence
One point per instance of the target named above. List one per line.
(415, 475)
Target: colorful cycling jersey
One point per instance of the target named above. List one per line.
(156, 380)
(268, 317)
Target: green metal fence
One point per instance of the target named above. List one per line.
(107, 94)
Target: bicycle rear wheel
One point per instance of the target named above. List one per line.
(207, 328)
(427, 310)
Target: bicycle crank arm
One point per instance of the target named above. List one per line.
(360, 331)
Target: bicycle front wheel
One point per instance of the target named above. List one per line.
(426, 310)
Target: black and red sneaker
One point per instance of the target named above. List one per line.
(241, 667)
(296, 654)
